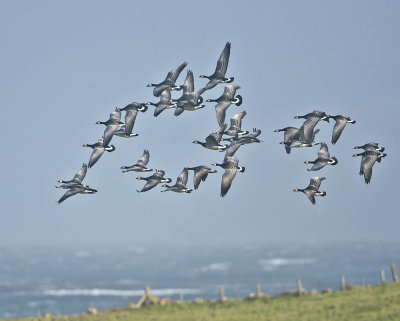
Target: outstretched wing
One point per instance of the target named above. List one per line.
(323, 152)
(68, 193)
(109, 133)
(188, 85)
(182, 178)
(227, 179)
(220, 110)
(178, 111)
(310, 195)
(315, 183)
(174, 73)
(144, 159)
(222, 64)
(130, 118)
(151, 183)
(236, 121)
(165, 97)
(200, 174)
(232, 148)
(367, 162)
(230, 91)
(96, 154)
(256, 132)
(307, 130)
(219, 132)
(292, 133)
(337, 129)
(78, 178)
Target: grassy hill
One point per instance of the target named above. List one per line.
(380, 302)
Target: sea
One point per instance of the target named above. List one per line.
(67, 281)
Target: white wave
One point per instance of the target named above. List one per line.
(275, 263)
(216, 267)
(113, 292)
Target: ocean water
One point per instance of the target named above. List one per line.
(64, 281)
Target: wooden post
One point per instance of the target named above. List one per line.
(383, 277)
(258, 290)
(221, 294)
(342, 283)
(394, 273)
(147, 291)
(181, 297)
(299, 287)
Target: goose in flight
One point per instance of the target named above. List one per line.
(312, 189)
(169, 81)
(225, 100)
(153, 180)
(163, 104)
(290, 134)
(213, 140)
(180, 185)
(369, 158)
(113, 123)
(76, 190)
(341, 122)
(323, 159)
(98, 150)
(200, 174)
(371, 146)
(231, 166)
(130, 116)
(78, 178)
(222, 65)
(140, 165)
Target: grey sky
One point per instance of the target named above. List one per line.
(65, 65)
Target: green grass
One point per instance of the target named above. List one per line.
(378, 303)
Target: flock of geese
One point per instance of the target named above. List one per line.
(304, 137)
(190, 100)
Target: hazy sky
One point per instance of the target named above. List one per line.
(67, 64)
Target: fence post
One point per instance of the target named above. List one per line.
(299, 287)
(383, 277)
(394, 273)
(181, 297)
(342, 283)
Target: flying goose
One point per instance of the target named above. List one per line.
(78, 178)
(231, 166)
(213, 140)
(164, 103)
(371, 146)
(225, 100)
(369, 157)
(140, 165)
(302, 141)
(200, 174)
(180, 185)
(113, 123)
(190, 99)
(323, 159)
(232, 148)
(130, 116)
(98, 150)
(153, 180)
(169, 81)
(222, 65)
(312, 189)
(236, 126)
(340, 124)
(76, 190)
(290, 134)
(311, 121)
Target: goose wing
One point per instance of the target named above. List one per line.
(182, 178)
(160, 88)
(315, 183)
(109, 133)
(174, 73)
(367, 162)
(220, 110)
(80, 175)
(323, 152)
(256, 132)
(96, 154)
(195, 95)
(69, 193)
(232, 148)
(178, 111)
(219, 132)
(151, 183)
(165, 97)
(340, 124)
(222, 64)
(130, 118)
(230, 91)
(159, 173)
(236, 121)
(227, 179)
(200, 174)
(116, 115)
(188, 85)
(144, 159)
(317, 166)
(292, 133)
(310, 195)
(307, 130)
(212, 140)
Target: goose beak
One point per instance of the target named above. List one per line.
(149, 85)
(276, 130)
(208, 101)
